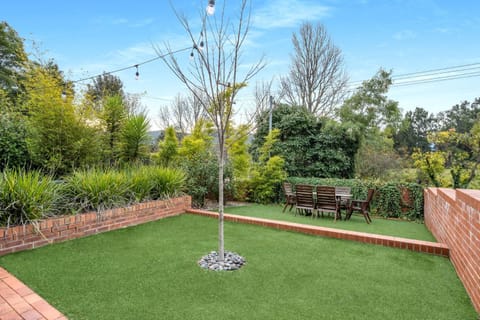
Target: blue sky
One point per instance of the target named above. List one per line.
(88, 37)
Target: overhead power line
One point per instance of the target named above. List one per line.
(438, 79)
(432, 75)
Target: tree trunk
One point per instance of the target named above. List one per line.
(221, 249)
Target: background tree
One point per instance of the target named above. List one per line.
(13, 141)
(369, 107)
(13, 61)
(183, 113)
(459, 153)
(216, 65)
(103, 86)
(135, 140)
(316, 80)
(57, 138)
(168, 148)
(309, 146)
(460, 117)
(376, 157)
(112, 118)
(413, 131)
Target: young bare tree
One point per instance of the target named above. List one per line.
(215, 73)
(263, 92)
(183, 113)
(316, 79)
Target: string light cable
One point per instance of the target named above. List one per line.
(137, 74)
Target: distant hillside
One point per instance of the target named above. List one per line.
(155, 135)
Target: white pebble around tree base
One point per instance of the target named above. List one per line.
(233, 261)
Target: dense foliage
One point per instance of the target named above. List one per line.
(310, 147)
(26, 196)
(268, 172)
(13, 145)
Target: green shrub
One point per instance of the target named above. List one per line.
(266, 182)
(13, 142)
(388, 203)
(103, 189)
(166, 182)
(97, 189)
(141, 183)
(26, 196)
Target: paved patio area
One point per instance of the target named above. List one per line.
(19, 302)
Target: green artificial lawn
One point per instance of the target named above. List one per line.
(396, 228)
(151, 272)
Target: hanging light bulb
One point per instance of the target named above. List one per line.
(137, 74)
(211, 7)
(191, 55)
(201, 45)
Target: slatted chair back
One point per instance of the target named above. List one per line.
(327, 200)
(343, 194)
(343, 191)
(304, 198)
(363, 206)
(290, 198)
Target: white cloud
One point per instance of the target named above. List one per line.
(288, 13)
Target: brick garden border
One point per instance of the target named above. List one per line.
(62, 228)
(396, 242)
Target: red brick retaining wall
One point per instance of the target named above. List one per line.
(453, 217)
(63, 228)
(396, 242)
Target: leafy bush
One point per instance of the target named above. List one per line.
(26, 196)
(268, 172)
(388, 204)
(202, 177)
(13, 144)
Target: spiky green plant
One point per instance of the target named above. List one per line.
(26, 196)
(98, 189)
(167, 182)
(142, 183)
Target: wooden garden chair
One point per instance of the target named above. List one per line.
(327, 201)
(362, 206)
(304, 199)
(290, 198)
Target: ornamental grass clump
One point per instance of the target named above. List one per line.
(142, 184)
(98, 189)
(167, 182)
(152, 183)
(27, 196)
